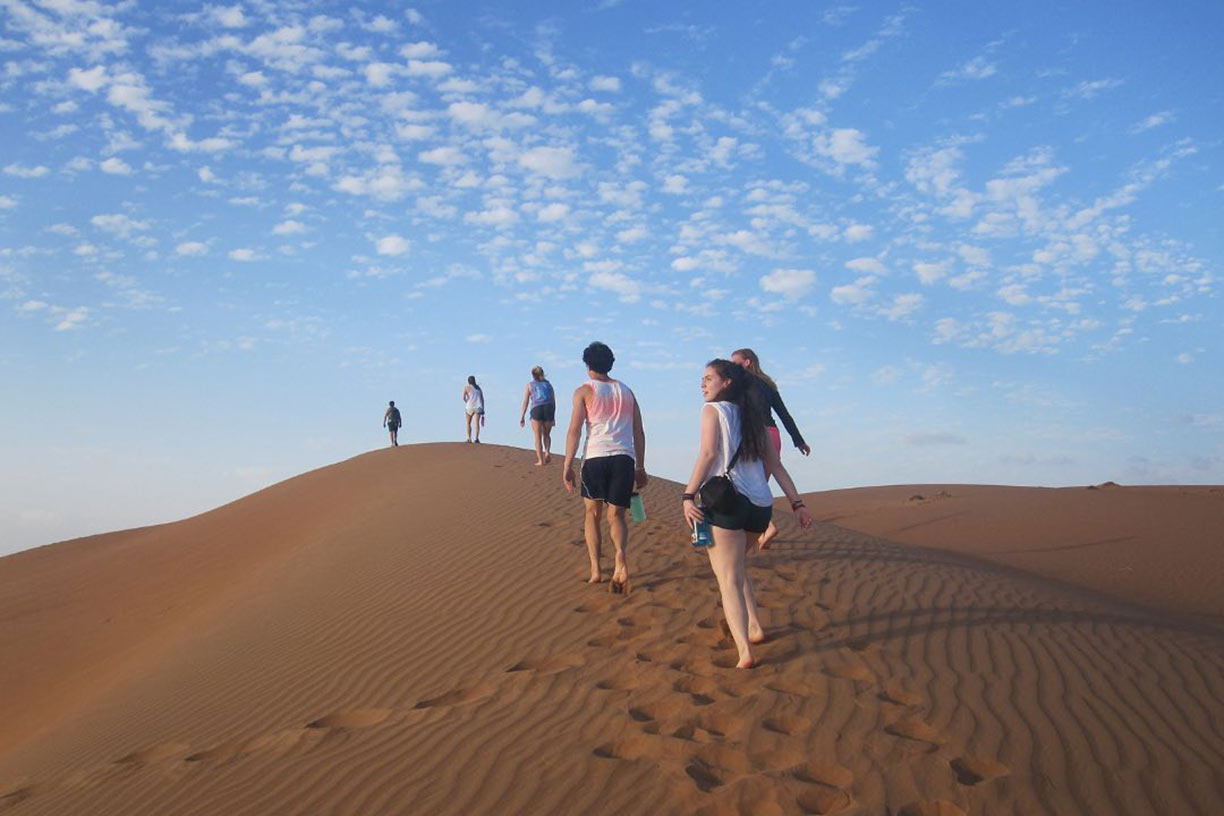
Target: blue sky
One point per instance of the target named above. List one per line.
(973, 242)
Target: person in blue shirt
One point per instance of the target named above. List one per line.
(542, 402)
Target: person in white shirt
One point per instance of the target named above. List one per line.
(613, 461)
(734, 442)
(473, 407)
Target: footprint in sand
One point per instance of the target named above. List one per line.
(548, 665)
(828, 774)
(629, 748)
(167, 750)
(822, 800)
(892, 693)
(932, 807)
(355, 718)
(467, 695)
(851, 671)
(618, 681)
(971, 770)
(787, 724)
(916, 729)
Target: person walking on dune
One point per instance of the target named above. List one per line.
(767, 392)
(473, 407)
(392, 422)
(734, 444)
(539, 397)
(613, 460)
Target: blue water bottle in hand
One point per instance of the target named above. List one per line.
(701, 534)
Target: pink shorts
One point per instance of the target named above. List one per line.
(777, 439)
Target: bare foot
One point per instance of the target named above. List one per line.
(756, 635)
(595, 578)
(767, 537)
(547, 458)
(539, 464)
(746, 662)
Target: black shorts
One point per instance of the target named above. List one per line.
(746, 516)
(608, 479)
(544, 413)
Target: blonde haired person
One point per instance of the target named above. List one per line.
(767, 392)
(542, 401)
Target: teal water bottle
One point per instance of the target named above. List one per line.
(637, 510)
(701, 534)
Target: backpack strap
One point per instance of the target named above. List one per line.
(735, 458)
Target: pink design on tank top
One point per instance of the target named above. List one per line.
(609, 420)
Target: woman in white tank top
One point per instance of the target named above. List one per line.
(732, 420)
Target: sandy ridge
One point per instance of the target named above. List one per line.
(440, 659)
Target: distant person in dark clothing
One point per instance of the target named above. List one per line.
(392, 422)
(771, 400)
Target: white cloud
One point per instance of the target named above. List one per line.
(90, 80)
(479, 338)
(1153, 121)
(629, 290)
(419, 50)
(610, 84)
(867, 266)
(929, 273)
(675, 184)
(378, 74)
(977, 68)
(553, 162)
(7, 203)
(392, 245)
(447, 155)
(115, 166)
(792, 283)
(22, 171)
(288, 227)
(846, 146)
(191, 248)
(118, 224)
(553, 212)
(228, 16)
(499, 215)
(242, 255)
(903, 306)
(1185, 358)
(207, 176)
(632, 235)
(72, 318)
(855, 293)
(428, 68)
(858, 232)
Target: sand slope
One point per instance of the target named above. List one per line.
(406, 632)
(1162, 546)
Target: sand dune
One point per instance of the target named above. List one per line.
(408, 632)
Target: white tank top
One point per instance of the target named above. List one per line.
(609, 420)
(474, 402)
(748, 476)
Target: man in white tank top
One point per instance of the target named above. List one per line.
(613, 460)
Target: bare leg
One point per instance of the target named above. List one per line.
(618, 526)
(548, 426)
(469, 427)
(539, 442)
(590, 528)
(767, 537)
(727, 559)
(756, 634)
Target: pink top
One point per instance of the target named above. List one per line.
(609, 420)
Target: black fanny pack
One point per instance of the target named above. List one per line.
(718, 493)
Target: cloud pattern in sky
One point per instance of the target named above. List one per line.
(978, 247)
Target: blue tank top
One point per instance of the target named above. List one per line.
(541, 392)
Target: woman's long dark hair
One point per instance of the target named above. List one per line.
(752, 413)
